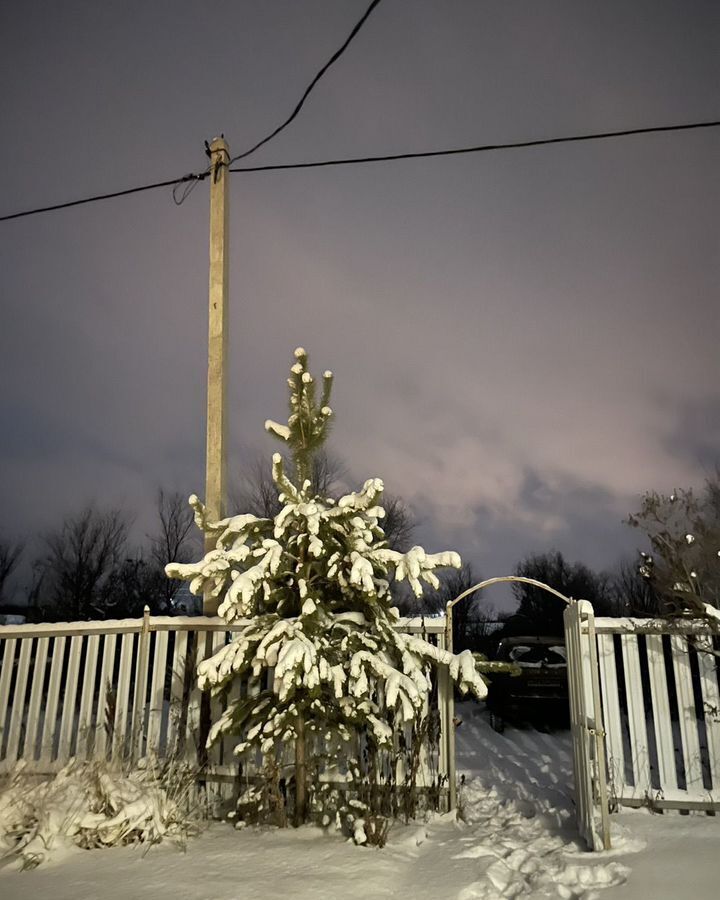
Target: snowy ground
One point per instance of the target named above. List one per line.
(518, 840)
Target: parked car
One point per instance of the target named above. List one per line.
(539, 693)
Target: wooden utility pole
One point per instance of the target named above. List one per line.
(215, 460)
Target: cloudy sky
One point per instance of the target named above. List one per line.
(523, 341)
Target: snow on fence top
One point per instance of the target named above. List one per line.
(415, 625)
(124, 687)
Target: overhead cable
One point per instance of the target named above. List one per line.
(358, 160)
(482, 148)
(333, 59)
(173, 182)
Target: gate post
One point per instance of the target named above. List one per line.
(588, 736)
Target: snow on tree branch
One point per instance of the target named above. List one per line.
(320, 645)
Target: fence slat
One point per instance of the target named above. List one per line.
(640, 752)
(49, 725)
(177, 683)
(36, 698)
(157, 694)
(708, 665)
(5, 677)
(18, 707)
(84, 743)
(67, 724)
(661, 713)
(216, 756)
(230, 741)
(192, 723)
(122, 697)
(612, 722)
(687, 714)
(140, 694)
(104, 717)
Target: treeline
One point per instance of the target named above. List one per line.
(87, 568)
(676, 573)
(478, 626)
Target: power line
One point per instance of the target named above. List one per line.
(482, 148)
(367, 159)
(333, 59)
(136, 190)
(195, 178)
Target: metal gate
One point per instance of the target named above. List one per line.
(588, 736)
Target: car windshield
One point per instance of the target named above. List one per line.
(537, 654)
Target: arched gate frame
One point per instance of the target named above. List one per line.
(588, 736)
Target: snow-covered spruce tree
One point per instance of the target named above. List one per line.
(320, 652)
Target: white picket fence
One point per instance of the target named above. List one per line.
(645, 713)
(661, 712)
(125, 689)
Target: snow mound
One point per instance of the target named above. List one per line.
(88, 805)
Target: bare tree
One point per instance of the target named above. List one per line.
(256, 493)
(73, 577)
(131, 585)
(634, 595)
(470, 616)
(398, 524)
(683, 530)
(172, 543)
(539, 612)
(328, 474)
(9, 558)
(140, 579)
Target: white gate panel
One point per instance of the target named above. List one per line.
(708, 665)
(611, 709)
(586, 725)
(640, 751)
(679, 754)
(662, 721)
(687, 714)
